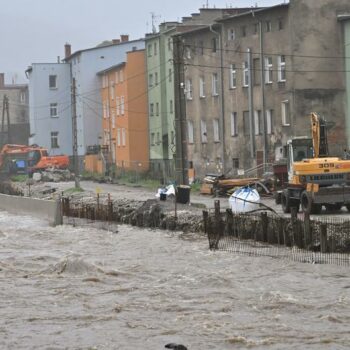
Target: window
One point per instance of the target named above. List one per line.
(171, 106)
(53, 110)
(246, 124)
(104, 83)
(280, 24)
(233, 76)
(243, 31)
(256, 28)
(245, 74)
(201, 87)
(118, 137)
(201, 48)
(54, 139)
(281, 68)
(188, 52)
(169, 44)
(117, 105)
(157, 109)
(122, 105)
(121, 76)
(172, 136)
(111, 90)
(204, 137)
(234, 131)
(23, 97)
(170, 75)
(150, 80)
(155, 49)
(151, 109)
(269, 121)
(123, 137)
(152, 138)
(116, 77)
(113, 119)
(214, 44)
(53, 81)
(214, 85)
(216, 130)
(149, 50)
(189, 89)
(257, 122)
(256, 71)
(235, 163)
(268, 70)
(285, 113)
(231, 34)
(156, 78)
(158, 138)
(105, 109)
(190, 131)
(268, 26)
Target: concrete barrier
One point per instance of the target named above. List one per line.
(41, 208)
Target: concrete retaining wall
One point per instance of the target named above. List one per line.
(44, 209)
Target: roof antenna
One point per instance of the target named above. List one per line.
(154, 17)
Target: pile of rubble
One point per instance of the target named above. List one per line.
(53, 175)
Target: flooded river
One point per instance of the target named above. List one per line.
(83, 288)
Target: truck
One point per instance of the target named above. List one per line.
(23, 159)
(315, 179)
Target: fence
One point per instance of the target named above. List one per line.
(325, 240)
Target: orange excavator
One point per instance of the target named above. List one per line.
(22, 159)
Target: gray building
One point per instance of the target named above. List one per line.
(253, 77)
(50, 107)
(18, 112)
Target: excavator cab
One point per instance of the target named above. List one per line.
(35, 156)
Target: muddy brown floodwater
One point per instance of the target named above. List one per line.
(83, 288)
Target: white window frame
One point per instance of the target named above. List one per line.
(285, 108)
(245, 74)
(54, 139)
(188, 52)
(113, 119)
(53, 87)
(189, 95)
(216, 130)
(282, 68)
(54, 110)
(268, 70)
(117, 105)
(257, 123)
(122, 105)
(214, 84)
(116, 77)
(111, 89)
(204, 134)
(105, 109)
(201, 87)
(123, 137)
(234, 120)
(121, 76)
(190, 131)
(233, 76)
(118, 137)
(23, 97)
(231, 34)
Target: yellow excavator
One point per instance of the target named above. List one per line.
(314, 178)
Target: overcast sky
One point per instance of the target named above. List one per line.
(36, 30)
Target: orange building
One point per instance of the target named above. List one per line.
(125, 113)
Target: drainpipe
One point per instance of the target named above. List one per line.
(263, 106)
(251, 105)
(222, 98)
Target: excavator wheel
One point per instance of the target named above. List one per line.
(307, 205)
(285, 201)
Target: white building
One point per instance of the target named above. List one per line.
(82, 65)
(50, 113)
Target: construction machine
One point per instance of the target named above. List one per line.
(22, 159)
(315, 179)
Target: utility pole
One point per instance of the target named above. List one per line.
(181, 167)
(251, 105)
(5, 110)
(75, 135)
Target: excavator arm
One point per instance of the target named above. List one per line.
(319, 136)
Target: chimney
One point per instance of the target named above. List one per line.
(67, 50)
(2, 80)
(124, 38)
(115, 41)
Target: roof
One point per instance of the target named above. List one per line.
(253, 10)
(99, 48)
(116, 66)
